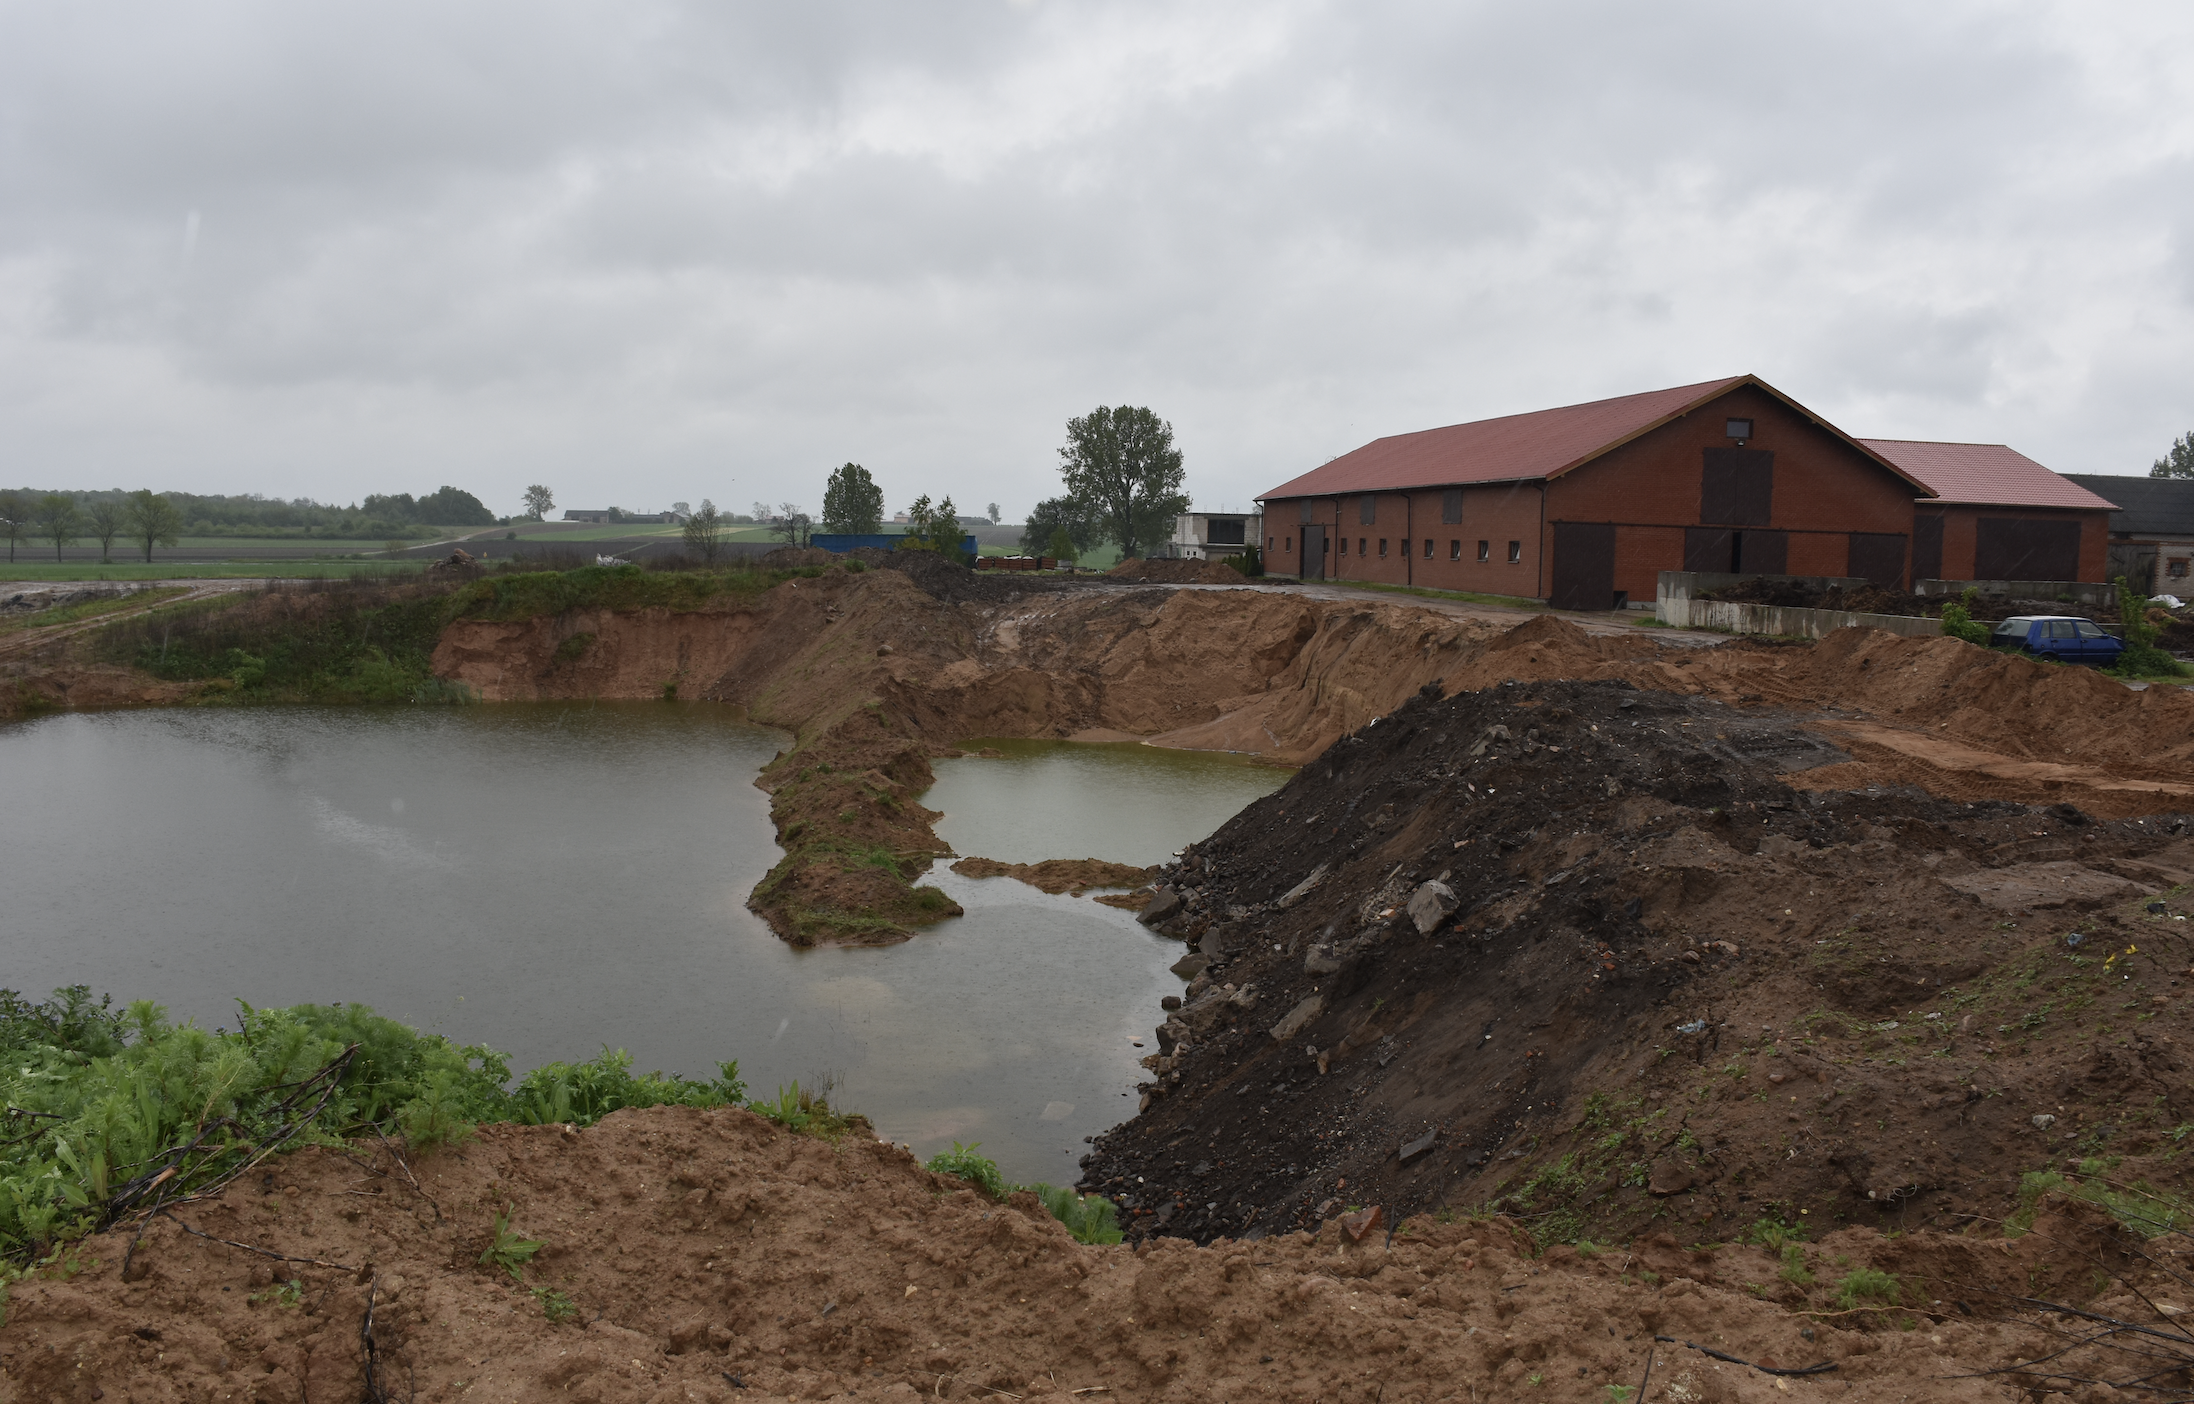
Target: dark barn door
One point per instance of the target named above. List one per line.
(1314, 553)
(1763, 552)
(2005, 548)
(1584, 566)
(1710, 550)
(1927, 548)
(1879, 558)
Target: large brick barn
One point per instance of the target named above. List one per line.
(1585, 505)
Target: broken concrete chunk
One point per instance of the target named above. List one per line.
(1432, 903)
(1298, 1018)
(1322, 960)
(1162, 904)
(1302, 889)
(1419, 1146)
(1363, 1222)
(1188, 967)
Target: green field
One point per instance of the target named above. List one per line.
(203, 570)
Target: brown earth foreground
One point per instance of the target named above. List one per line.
(1770, 965)
(711, 1256)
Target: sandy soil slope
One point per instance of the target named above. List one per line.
(712, 1256)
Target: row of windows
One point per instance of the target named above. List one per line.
(1363, 548)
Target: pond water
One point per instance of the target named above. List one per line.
(551, 879)
(1120, 801)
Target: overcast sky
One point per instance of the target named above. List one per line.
(647, 251)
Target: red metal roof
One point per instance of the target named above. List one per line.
(1541, 444)
(1986, 474)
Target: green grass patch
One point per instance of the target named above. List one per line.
(316, 568)
(2136, 1204)
(111, 1111)
(1863, 1287)
(1089, 1218)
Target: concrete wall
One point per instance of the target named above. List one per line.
(1675, 602)
(2087, 592)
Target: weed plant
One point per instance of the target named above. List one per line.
(1868, 1287)
(508, 1249)
(1089, 1218)
(1959, 623)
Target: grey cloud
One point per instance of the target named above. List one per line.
(632, 246)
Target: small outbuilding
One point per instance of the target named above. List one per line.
(1998, 515)
(1213, 536)
(2151, 530)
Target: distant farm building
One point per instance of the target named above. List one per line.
(2151, 532)
(1212, 536)
(1585, 505)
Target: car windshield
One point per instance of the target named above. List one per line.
(2087, 629)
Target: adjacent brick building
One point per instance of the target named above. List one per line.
(1585, 505)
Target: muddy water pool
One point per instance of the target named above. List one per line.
(552, 879)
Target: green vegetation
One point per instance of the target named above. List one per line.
(556, 1306)
(1959, 623)
(318, 568)
(114, 1111)
(2136, 1204)
(853, 505)
(1868, 1287)
(364, 640)
(1089, 1218)
(1121, 465)
(508, 1249)
(2142, 658)
(87, 609)
(378, 515)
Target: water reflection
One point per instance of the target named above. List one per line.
(550, 879)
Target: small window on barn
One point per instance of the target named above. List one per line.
(1290, 547)
(1485, 550)
(1428, 548)
(1451, 505)
(1454, 550)
(1344, 545)
(1367, 510)
(1363, 547)
(2176, 568)
(1515, 553)
(1738, 428)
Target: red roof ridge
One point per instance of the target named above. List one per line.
(1533, 445)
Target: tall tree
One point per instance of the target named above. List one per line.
(1122, 463)
(538, 501)
(852, 503)
(105, 516)
(2179, 463)
(14, 520)
(994, 514)
(58, 520)
(153, 521)
(1052, 516)
(704, 532)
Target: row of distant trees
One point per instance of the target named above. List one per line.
(145, 519)
(1120, 468)
(377, 517)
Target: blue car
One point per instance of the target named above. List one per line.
(2059, 638)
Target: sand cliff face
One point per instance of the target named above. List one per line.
(876, 671)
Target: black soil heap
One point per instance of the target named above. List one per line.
(1641, 932)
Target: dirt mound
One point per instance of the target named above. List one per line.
(1055, 875)
(711, 1256)
(1177, 572)
(1584, 954)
